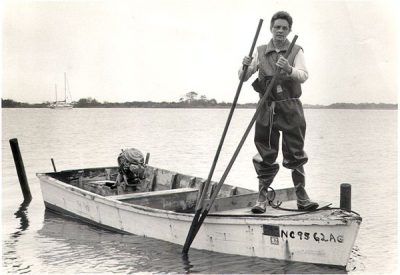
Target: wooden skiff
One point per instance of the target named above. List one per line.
(162, 207)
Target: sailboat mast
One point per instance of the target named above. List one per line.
(56, 91)
(65, 87)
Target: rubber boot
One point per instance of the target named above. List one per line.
(261, 203)
(303, 200)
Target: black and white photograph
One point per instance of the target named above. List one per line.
(199, 136)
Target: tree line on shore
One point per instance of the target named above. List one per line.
(190, 100)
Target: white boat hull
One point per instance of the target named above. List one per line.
(328, 240)
(63, 106)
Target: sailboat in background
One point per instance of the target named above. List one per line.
(62, 104)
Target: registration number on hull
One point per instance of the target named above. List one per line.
(277, 233)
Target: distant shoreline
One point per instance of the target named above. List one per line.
(195, 104)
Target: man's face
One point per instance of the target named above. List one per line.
(280, 30)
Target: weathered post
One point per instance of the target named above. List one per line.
(345, 196)
(19, 165)
(147, 158)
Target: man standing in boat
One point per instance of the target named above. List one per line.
(282, 111)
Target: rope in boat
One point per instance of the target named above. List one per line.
(277, 205)
(271, 200)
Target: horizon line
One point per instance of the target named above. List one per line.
(222, 102)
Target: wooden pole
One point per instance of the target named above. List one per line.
(54, 166)
(345, 196)
(200, 202)
(19, 165)
(239, 147)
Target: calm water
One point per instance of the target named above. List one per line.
(353, 146)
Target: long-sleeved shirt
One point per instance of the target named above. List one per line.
(299, 69)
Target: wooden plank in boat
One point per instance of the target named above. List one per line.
(291, 207)
(248, 200)
(101, 182)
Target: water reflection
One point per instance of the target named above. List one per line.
(78, 247)
(22, 215)
(186, 263)
(11, 259)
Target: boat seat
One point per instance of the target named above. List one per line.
(152, 194)
(179, 200)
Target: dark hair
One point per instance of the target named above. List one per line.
(282, 15)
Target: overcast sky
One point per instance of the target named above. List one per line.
(159, 50)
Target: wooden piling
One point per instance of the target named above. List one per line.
(19, 165)
(345, 196)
